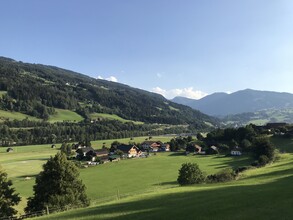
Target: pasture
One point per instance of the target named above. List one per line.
(15, 115)
(146, 188)
(127, 177)
(264, 193)
(65, 115)
(111, 117)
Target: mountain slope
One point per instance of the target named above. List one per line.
(36, 90)
(248, 100)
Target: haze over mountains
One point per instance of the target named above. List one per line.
(248, 100)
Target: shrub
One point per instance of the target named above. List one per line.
(263, 160)
(190, 174)
(242, 169)
(225, 175)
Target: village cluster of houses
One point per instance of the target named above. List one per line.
(117, 152)
(196, 149)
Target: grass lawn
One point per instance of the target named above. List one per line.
(22, 165)
(65, 115)
(284, 144)
(264, 193)
(136, 176)
(112, 117)
(27, 161)
(16, 115)
(147, 189)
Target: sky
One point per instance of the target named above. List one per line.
(188, 48)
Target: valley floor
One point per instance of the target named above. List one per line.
(147, 188)
(265, 193)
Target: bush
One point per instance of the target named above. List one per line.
(190, 174)
(263, 160)
(242, 169)
(225, 175)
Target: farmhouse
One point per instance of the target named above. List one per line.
(155, 146)
(195, 149)
(102, 155)
(129, 150)
(236, 151)
(165, 147)
(82, 152)
(101, 152)
(151, 145)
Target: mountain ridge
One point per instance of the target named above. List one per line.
(247, 100)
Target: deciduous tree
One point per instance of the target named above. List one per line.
(190, 174)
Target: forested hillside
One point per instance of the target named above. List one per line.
(41, 92)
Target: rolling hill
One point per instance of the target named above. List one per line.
(222, 104)
(38, 90)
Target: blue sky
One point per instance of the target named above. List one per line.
(175, 47)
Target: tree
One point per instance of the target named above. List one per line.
(190, 174)
(8, 197)
(263, 146)
(58, 186)
(199, 136)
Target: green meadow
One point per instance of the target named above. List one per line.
(146, 188)
(65, 115)
(15, 115)
(60, 116)
(112, 117)
(264, 193)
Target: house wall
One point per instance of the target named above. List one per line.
(236, 153)
(132, 152)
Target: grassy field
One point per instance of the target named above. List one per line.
(112, 117)
(15, 115)
(27, 161)
(147, 189)
(22, 165)
(65, 115)
(265, 193)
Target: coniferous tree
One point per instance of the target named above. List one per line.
(8, 197)
(58, 187)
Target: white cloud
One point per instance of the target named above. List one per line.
(111, 78)
(185, 92)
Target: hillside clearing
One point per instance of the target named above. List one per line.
(112, 117)
(16, 115)
(65, 115)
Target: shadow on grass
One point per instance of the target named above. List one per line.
(266, 201)
(27, 176)
(177, 154)
(173, 183)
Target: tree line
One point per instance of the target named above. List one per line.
(28, 132)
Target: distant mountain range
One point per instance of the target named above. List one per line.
(248, 100)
